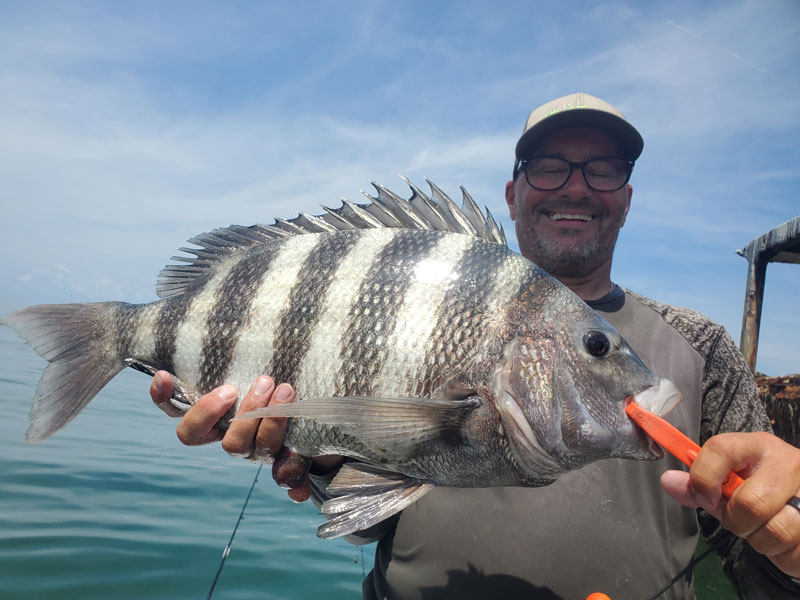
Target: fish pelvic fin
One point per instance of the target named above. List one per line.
(365, 495)
(74, 339)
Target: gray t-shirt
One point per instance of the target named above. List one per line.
(607, 527)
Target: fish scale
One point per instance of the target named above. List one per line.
(254, 348)
(302, 311)
(231, 314)
(373, 316)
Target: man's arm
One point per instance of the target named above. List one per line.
(734, 437)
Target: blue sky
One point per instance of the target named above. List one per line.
(126, 128)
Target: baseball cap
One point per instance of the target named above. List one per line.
(579, 110)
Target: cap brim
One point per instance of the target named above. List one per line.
(629, 140)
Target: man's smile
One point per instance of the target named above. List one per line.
(570, 217)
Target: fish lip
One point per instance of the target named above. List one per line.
(624, 439)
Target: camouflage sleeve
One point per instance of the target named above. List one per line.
(731, 403)
(730, 394)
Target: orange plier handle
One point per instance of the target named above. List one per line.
(674, 442)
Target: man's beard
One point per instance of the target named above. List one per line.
(567, 260)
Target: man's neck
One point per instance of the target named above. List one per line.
(592, 287)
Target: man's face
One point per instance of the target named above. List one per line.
(571, 231)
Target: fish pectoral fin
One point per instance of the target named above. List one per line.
(403, 424)
(366, 495)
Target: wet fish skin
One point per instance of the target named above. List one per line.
(415, 340)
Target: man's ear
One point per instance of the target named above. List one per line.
(629, 190)
(511, 197)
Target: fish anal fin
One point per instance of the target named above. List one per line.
(370, 495)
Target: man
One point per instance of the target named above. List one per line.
(607, 527)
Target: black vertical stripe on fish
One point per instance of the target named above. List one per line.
(373, 316)
(460, 317)
(306, 299)
(322, 358)
(173, 312)
(231, 313)
(416, 321)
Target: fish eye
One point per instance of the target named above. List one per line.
(596, 343)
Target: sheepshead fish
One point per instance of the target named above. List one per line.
(418, 344)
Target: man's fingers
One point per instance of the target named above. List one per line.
(197, 426)
(771, 469)
(161, 392)
(788, 561)
(269, 436)
(258, 439)
(779, 535)
(240, 437)
(290, 469)
(678, 485)
(301, 493)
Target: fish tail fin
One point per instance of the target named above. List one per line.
(78, 342)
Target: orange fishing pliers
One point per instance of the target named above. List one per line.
(674, 442)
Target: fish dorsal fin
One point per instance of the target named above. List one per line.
(214, 247)
(384, 210)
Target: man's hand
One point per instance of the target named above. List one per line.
(757, 510)
(255, 439)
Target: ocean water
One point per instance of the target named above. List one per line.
(114, 506)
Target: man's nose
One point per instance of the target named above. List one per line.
(576, 185)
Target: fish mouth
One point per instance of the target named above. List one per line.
(596, 438)
(660, 399)
(644, 439)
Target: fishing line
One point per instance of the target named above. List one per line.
(680, 575)
(363, 570)
(227, 550)
(228, 547)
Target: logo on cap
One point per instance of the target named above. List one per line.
(562, 107)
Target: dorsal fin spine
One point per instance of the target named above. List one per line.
(386, 210)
